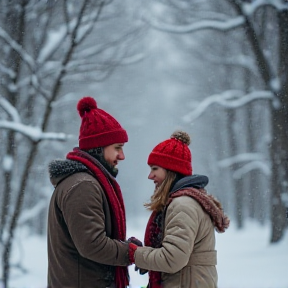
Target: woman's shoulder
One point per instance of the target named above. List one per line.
(184, 209)
(184, 203)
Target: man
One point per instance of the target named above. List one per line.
(86, 221)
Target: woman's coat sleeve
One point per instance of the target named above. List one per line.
(182, 222)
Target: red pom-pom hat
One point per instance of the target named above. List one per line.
(98, 128)
(173, 154)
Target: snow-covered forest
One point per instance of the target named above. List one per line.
(216, 69)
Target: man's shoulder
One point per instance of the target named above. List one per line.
(79, 188)
(79, 180)
(82, 177)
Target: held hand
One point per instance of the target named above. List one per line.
(132, 248)
(135, 241)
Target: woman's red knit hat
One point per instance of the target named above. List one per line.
(98, 128)
(173, 154)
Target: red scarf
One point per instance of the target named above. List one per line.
(155, 225)
(153, 238)
(115, 199)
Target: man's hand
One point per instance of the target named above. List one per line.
(135, 241)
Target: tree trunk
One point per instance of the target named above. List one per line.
(279, 150)
(279, 155)
(14, 21)
(237, 183)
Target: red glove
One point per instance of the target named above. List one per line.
(132, 249)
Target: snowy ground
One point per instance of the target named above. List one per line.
(245, 260)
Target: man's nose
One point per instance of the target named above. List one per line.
(121, 156)
(150, 176)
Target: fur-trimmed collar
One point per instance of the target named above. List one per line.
(61, 168)
(64, 166)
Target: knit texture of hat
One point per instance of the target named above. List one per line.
(98, 128)
(173, 154)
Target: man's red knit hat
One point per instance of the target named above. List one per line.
(173, 154)
(98, 128)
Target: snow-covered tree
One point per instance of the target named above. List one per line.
(251, 25)
(47, 49)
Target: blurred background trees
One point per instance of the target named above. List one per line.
(209, 68)
(48, 48)
(251, 69)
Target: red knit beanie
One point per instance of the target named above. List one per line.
(173, 154)
(98, 128)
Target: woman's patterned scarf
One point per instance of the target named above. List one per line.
(155, 225)
(115, 199)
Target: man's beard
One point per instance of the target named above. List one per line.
(98, 153)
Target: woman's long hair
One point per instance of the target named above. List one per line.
(159, 199)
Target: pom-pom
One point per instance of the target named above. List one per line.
(181, 136)
(85, 105)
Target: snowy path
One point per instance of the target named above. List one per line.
(245, 260)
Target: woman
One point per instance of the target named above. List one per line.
(180, 231)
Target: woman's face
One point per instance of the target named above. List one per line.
(157, 174)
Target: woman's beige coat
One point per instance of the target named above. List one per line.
(187, 257)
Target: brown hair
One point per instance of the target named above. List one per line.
(159, 199)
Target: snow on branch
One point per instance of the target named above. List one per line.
(33, 133)
(251, 8)
(10, 109)
(256, 161)
(229, 99)
(243, 100)
(244, 157)
(133, 59)
(38, 87)
(253, 165)
(88, 23)
(200, 25)
(248, 9)
(54, 39)
(24, 55)
(26, 59)
(7, 71)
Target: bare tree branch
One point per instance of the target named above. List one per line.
(223, 26)
(35, 134)
(19, 49)
(228, 99)
(10, 109)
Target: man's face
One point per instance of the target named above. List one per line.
(114, 153)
